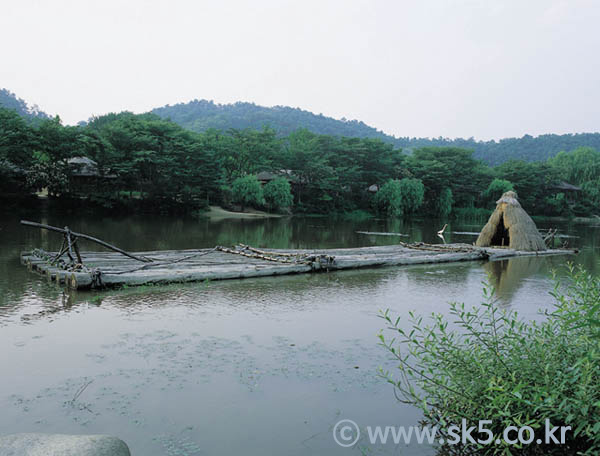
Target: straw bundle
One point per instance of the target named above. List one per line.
(510, 226)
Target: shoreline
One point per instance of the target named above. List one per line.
(217, 212)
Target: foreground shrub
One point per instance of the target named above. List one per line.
(491, 365)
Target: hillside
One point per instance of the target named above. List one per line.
(200, 115)
(10, 101)
(527, 148)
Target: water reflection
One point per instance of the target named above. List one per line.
(508, 275)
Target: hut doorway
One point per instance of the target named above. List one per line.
(501, 236)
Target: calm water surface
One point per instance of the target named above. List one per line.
(254, 367)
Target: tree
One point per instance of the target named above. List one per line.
(50, 175)
(496, 189)
(389, 199)
(250, 151)
(59, 142)
(247, 191)
(201, 115)
(399, 197)
(445, 201)
(578, 166)
(278, 194)
(17, 139)
(413, 193)
(307, 156)
(532, 182)
(591, 191)
(448, 167)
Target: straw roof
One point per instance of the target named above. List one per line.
(83, 166)
(510, 226)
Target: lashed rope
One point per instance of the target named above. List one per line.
(439, 247)
(317, 261)
(164, 263)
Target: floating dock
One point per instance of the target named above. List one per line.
(115, 269)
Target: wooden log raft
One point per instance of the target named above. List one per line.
(118, 267)
(107, 269)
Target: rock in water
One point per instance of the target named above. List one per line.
(62, 445)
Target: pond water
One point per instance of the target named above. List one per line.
(254, 367)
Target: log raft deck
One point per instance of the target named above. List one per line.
(84, 270)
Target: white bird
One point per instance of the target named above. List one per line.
(440, 232)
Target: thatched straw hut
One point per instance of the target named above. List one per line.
(510, 226)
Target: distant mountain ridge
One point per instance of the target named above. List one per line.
(200, 115)
(10, 101)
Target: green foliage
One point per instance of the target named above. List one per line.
(157, 158)
(17, 139)
(445, 201)
(389, 199)
(471, 213)
(278, 194)
(57, 141)
(591, 190)
(413, 193)
(448, 167)
(558, 204)
(247, 191)
(332, 174)
(533, 182)
(173, 169)
(203, 115)
(357, 215)
(250, 151)
(399, 197)
(578, 166)
(495, 190)
(487, 363)
(50, 175)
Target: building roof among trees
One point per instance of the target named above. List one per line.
(565, 186)
(267, 176)
(85, 167)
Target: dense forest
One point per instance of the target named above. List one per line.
(201, 115)
(143, 162)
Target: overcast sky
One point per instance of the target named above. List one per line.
(487, 69)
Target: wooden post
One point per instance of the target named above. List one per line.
(76, 247)
(68, 240)
(89, 238)
(63, 249)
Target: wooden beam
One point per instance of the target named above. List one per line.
(89, 238)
